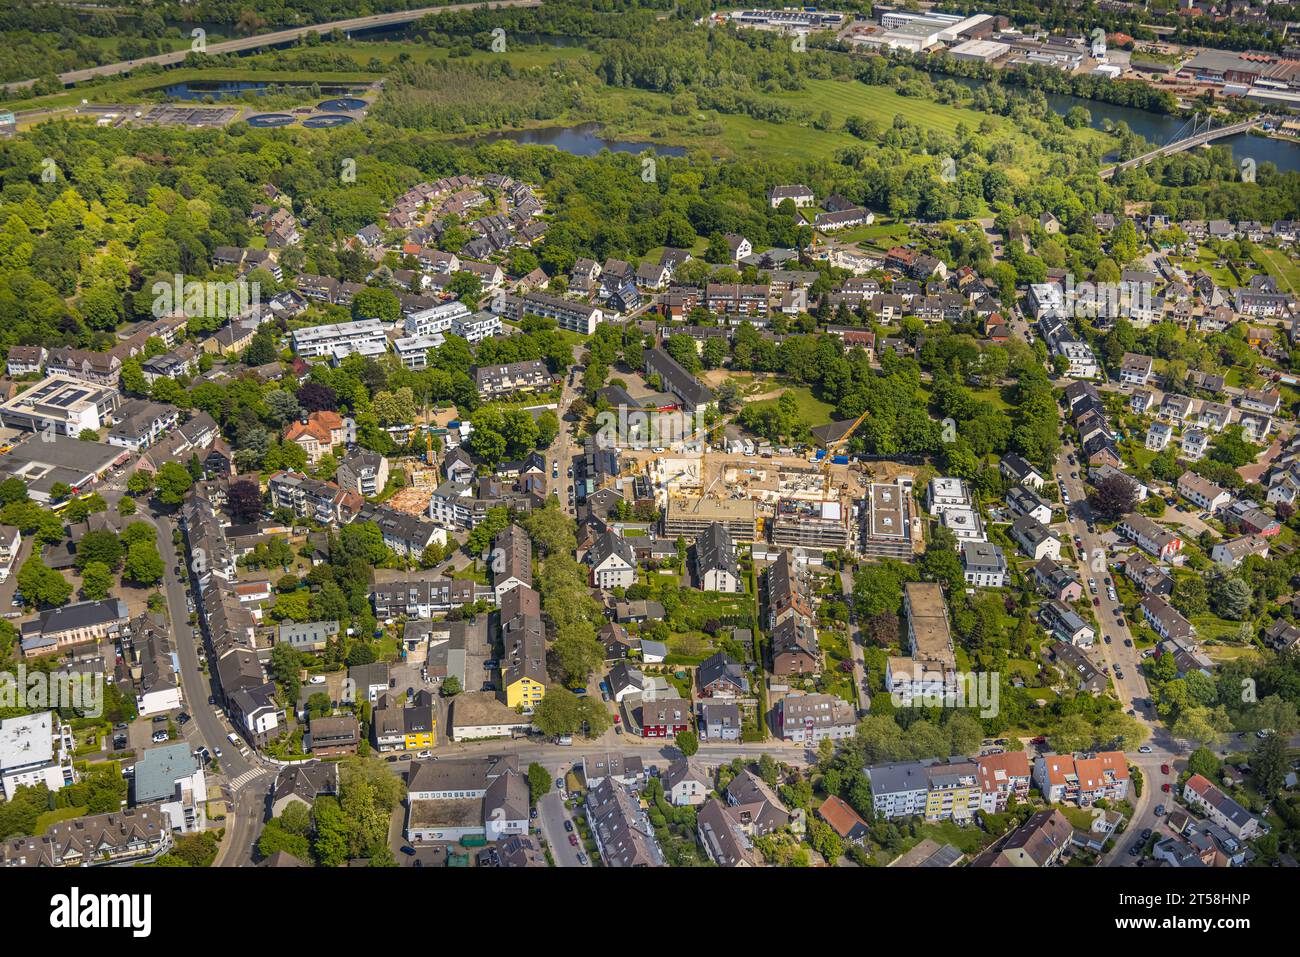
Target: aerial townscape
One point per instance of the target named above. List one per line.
(647, 433)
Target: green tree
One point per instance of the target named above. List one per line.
(144, 565)
(539, 782)
(96, 581)
(688, 742)
(174, 480)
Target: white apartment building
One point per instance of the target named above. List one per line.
(440, 318)
(363, 335)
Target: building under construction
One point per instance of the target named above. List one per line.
(811, 524)
(887, 520)
(690, 515)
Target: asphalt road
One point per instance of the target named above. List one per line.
(244, 809)
(552, 814)
(244, 44)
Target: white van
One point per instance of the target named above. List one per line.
(234, 739)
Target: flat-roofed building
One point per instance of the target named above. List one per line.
(690, 517)
(33, 750)
(887, 525)
(361, 335)
(42, 462)
(61, 404)
(811, 524)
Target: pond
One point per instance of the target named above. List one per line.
(584, 139)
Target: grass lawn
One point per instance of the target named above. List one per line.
(995, 397)
(44, 821)
(1278, 265)
(812, 411)
(969, 839)
(1212, 626)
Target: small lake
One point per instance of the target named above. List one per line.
(583, 139)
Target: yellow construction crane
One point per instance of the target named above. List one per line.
(831, 449)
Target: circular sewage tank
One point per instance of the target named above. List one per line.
(326, 121)
(270, 119)
(342, 103)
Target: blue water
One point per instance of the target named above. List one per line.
(581, 140)
(217, 90)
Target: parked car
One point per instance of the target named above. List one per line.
(1165, 787)
(573, 839)
(568, 825)
(1145, 749)
(159, 737)
(160, 719)
(1096, 602)
(1160, 810)
(1106, 638)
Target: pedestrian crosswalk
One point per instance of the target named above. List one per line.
(246, 777)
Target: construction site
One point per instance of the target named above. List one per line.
(791, 499)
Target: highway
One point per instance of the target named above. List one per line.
(275, 38)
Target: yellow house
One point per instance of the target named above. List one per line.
(410, 727)
(954, 792)
(524, 691)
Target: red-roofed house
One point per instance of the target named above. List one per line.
(319, 433)
(1083, 779)
(1000, 776)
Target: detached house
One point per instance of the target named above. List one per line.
(318, 433)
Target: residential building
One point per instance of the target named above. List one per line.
(1039, 842)
(339, 340)
(512, 560)
(334, 736)
(716, 567)
(1066, 624)
(1155, 540)
(685, 783)
(1001, 777)
(1203, 493)
(1232, 552)
(983, 564)
(1035, 539)
(35, 749)
(363, 472)
(1222, 810)
(1082, 779)
(612, 562)
(810, 718)
(720, 720)
(1164, 619)
(170, 777)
